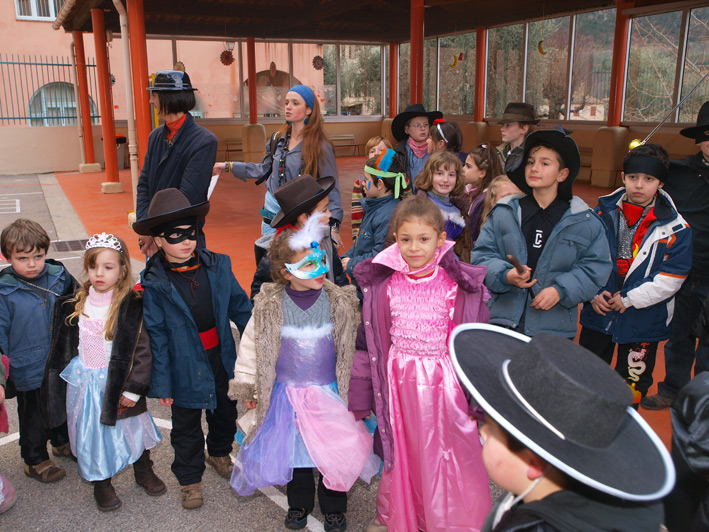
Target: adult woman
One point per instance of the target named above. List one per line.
(302, 148)
(180, 153)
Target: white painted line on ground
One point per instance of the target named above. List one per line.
(10, 206)
(3, 194)
(10, 438)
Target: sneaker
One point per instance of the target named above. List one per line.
(192, 496)
(223, 464)
(656, 402)
(335, 522)
(46, 472)
(297, 518)
(63, 451)
(376, 526)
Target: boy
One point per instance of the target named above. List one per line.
(410, 129)
(189, 298)
(560, 435)
(554, 233)
(516, 123)
(29, 288)
(651, 246)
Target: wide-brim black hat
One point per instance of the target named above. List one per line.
(517, 112)
(398, 125)
(700, 132)
(564, 145)
(300, 195)
(171, 80)
(167, 205)
(566, 405)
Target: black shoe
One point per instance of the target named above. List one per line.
(297, 518)
(335, 522)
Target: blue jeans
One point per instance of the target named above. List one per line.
(682, 348)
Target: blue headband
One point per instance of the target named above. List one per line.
(304, 93)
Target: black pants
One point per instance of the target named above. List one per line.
(635, 363)
(33, 435)
(187, 437)
(301, 493)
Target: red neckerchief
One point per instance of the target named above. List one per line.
(420, 149)
(174, 126)
(632, 214)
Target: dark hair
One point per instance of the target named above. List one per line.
(650, 150)
(448, 161)
(417, 207)
(173, 102)
(452, 133)
(397, 166)
(23, 236)
(485, 158)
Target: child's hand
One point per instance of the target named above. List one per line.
(335, 234)
(2, 395)
(616, 303)
(546, 299)
(345, 262)
(166, 401)
(219, 169)
(600, 303)
(125, 402)
(520, 280)
(250, 404)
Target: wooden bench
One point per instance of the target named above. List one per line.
(232, 146)
(346, 140)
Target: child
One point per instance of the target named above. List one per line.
(410, 129)
(560, 435)
(442, 182)
(447, 136)
(294, 358)
(481, 166)
(651, 246)
(383, 182)
(415, 291)
(101, 349)
(373, 148)
(189, 299)
(7, 491)
(554, 233)
(516, 124)
(500, 187)
(28, 289)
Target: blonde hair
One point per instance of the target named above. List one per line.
(121, 291)
(447, 160)
(491, 196)
(374, 141)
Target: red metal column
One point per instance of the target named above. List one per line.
(393, 79)
(416, 62)
(82, 81)
(480, 73)
(620, 45)
(251, 71)
(104, 89)
(139, 68)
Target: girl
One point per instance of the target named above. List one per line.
(7, 491)
(481, 165)
(415, 292)
(101, 349)
(373, 148)
(442, 182)
(294, 358)
(500, 187)
(446, 136)
(302, 148)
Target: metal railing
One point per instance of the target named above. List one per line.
(38, 91)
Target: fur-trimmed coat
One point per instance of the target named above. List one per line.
(128, 370)
(255, 368)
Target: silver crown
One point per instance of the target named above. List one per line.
(104, 240)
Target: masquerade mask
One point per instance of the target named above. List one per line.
(177, 235)
(312, 266)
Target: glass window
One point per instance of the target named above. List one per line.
(457, 74)
(547, 67)
(38, 9)
(360, 79)
(593, 57)
(504, 68)
(430, 71)
(272, 78)
(404, 76)
(314, 65)
(696, 64)
(652, 65)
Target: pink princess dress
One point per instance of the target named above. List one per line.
(438, 481)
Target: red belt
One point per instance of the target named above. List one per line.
(209, 338)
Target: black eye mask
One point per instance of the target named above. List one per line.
(177, 235)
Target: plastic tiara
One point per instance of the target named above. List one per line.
(104, 240)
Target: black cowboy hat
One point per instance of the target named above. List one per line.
(171, 80)
(517, 112)
(167, 205)
(564, 145)
(412, 111)
(299, 195)
(566, 405)
(700, 132)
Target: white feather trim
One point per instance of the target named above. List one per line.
(306, 333)
(314, 230)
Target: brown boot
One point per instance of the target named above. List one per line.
(45, 472)
(105, 496)
(191, 496)
(63, 451)
(146, 478)
(224, 465)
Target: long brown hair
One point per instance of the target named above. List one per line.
(441, 159)
(313, 139)
(485, 158)
(123, 288)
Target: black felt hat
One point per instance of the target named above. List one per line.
(299, 195)
(517, 112)
(398, 125)
(700, 132)
(167, 205)
(566, 405)
(564, 145)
